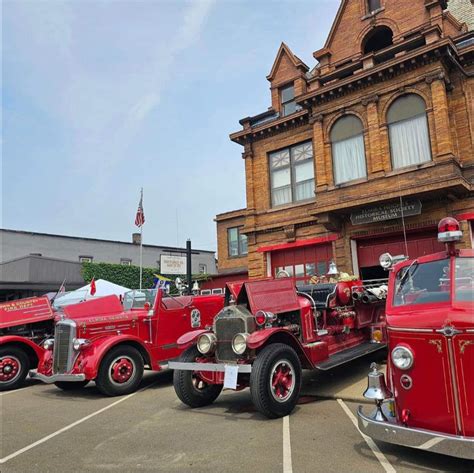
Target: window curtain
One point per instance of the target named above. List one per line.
(349, 159)
(410, 143)
(281, 195)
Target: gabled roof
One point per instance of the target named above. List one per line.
(297, 62)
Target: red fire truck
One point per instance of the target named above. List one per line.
(428, 400)
(269, 331)
(114, 344)
(24, 325)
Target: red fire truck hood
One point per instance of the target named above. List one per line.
(91, 311)
(25, 311)
(433, 317)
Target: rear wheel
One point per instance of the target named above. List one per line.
(71, 385)
(14, 366)
(120, 371)
(275, 381)
(191, 389)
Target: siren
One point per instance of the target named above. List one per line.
(449, 230)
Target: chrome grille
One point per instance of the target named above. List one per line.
(226, 329)
(64, 335)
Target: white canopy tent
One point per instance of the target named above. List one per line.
(103, 288)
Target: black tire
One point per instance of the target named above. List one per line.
(186, 384)
(71, 385)
(14, 367)
(105, 381)
(279, 400)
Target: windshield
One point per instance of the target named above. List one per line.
(137, 299)
(464, 280)
(422, 283)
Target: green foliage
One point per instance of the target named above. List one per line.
(129, 276)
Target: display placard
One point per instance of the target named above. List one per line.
(170, 264)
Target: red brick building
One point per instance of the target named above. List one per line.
(381, 126)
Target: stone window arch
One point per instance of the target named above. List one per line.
(348, 149)
(376, 39)
(408, 131)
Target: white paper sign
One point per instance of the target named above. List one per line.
(230, 376)
(172, 264)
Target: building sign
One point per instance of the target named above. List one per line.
(379, 213)
(172, 264)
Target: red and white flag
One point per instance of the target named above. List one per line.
(140, 217)
(93, 289)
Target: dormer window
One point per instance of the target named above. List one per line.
(373, 5)
(287, 97)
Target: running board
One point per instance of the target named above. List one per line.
(350, 354)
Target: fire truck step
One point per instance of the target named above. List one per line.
(349, 354)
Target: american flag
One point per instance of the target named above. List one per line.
(140, 217)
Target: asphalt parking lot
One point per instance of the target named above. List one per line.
(46, 430)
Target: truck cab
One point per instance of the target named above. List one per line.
(427, 400)
(111, 341)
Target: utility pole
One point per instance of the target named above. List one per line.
(189, 275)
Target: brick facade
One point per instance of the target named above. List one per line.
(431, 55)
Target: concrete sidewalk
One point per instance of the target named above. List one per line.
(347, 382)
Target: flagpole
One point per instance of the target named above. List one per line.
(141, 244)
(141, 255)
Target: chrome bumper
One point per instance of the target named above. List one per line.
(214, 367)
(391, 432)
(57, 377)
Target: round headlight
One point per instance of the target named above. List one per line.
(239, 343)
(386, 261)
(79, 343)
(206, 343)
(402, 358)
(48, 344)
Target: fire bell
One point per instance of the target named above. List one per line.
(377, 390)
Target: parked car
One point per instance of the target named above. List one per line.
(269, 331)
(428, 399)
(112, 342)
(24, 325)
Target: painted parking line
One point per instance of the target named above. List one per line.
(70, 426)
(375, 450)
(14, 391)
(287, 463)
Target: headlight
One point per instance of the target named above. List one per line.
(402, 358)
(386, 261)
(206, 343)
(48, 344)
(79, 343)
(239, 343)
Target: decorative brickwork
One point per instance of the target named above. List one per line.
(429, 53)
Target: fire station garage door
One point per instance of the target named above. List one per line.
(369, 250)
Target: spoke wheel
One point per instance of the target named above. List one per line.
(120, 371)
(275, 381)
(282, 380)
(14, 366)
(191, 389)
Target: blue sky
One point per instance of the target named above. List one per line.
(100, 98)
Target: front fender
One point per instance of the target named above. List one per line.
(279, 334)
(25, 342)
(91, 356)
(189, 338)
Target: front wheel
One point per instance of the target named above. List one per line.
(14, 366)
(275, 381)
(71, 385)
(120, 371)
(191, 389)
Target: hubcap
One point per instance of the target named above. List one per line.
(10, 368)
(282, 380)
(121, 370)
(198, 383)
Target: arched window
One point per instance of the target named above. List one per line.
(408, 131)
(376, 39)
(348, 150)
